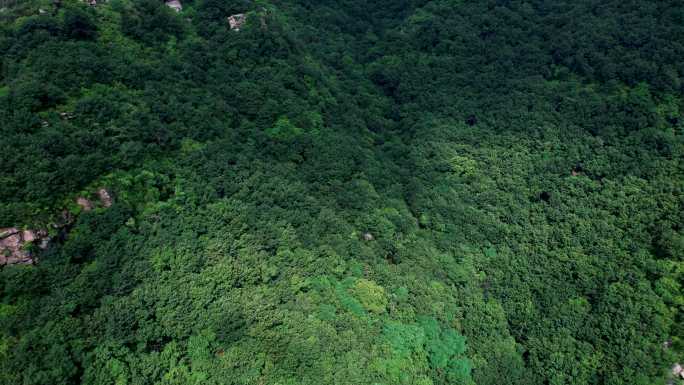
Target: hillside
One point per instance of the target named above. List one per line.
(341, 192)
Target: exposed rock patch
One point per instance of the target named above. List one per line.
(86, 204)
(367, 236)
(7, 232)
(237, 21)
(678, 370)
(14, 242)
(92, 3)
(175, 5)
(105, 197)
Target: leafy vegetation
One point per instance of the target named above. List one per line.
(390, 192)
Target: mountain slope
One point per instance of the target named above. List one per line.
(427, 192)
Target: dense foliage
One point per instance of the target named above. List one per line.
(346, 192)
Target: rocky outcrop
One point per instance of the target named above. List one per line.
(105, 197)
(237, 21)
(84, 203)
(14, 245)
(175, 5)
(678, 371)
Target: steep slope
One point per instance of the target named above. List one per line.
(428, 192)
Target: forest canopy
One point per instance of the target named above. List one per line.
(417, 192)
